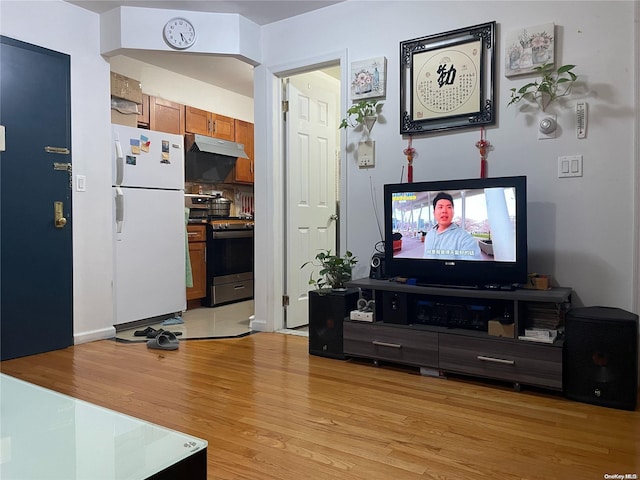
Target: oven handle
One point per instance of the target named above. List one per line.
(217, 234)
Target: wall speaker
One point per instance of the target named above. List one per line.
(600, 357)
(327, 311)
(377, 270)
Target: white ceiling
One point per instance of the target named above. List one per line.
(221, 71)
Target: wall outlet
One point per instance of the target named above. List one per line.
(367, 154)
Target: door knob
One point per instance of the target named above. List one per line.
(333, 217)
(58, 216)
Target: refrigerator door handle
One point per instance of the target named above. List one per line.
(119, 210)
(119, 164)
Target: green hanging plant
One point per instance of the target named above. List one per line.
(553, 84)
(357, 113)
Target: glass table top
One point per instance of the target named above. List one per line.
(48, 435)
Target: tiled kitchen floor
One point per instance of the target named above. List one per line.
(209, 322)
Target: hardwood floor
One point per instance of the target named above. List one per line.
(271, 411)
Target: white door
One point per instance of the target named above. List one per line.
(312, 183)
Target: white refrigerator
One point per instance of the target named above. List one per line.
(149, 224)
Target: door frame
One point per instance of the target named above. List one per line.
(270, 183)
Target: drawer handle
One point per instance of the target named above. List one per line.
(385, 344)
(496, 360)
(193, 234)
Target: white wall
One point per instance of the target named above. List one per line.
(68, 29)
(580, 229)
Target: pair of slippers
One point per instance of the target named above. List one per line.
(164, 340)
(152, 332)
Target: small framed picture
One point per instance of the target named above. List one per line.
(527, 48)
(368, 78)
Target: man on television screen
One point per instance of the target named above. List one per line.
(447, 240)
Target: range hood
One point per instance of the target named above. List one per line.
(210, 160)
(201, 143)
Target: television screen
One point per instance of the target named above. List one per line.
(468, 232)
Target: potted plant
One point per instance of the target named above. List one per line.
(553, 84)
(362, 113)
(330, 303)
(334, 269)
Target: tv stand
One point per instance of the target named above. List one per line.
(446, 329)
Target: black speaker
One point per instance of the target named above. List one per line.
(327, 310)
(600, 357)
(377, 269)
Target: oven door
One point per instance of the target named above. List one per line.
(229, 266)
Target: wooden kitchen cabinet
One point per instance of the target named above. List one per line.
(243, 171)
(197, 237)
(166, 116)
(210, 124)
(143, 117)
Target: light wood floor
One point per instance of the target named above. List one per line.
(271, 411)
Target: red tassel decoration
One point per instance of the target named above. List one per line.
(409, 152)
(483, 145)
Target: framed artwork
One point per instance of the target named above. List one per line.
(528, 48)
(368, 78)
(447, 80)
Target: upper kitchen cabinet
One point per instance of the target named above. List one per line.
(209, 124)
(243, 172)
(166, 116)
(143, 117)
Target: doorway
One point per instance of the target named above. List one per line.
(312, 179)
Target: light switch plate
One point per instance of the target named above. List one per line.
(570, 166)
(366, 154)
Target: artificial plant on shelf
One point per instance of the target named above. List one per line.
(553, 84)
(362, 113)
(334, 270)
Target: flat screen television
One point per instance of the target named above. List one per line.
(470, 233)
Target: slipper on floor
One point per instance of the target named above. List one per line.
(155, 333)
(144, 333)
(164, 341)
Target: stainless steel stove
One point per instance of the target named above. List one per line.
(230, 250)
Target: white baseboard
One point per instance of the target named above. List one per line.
(92, 336)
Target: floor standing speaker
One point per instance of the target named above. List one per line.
(327, 310)
(600, 364)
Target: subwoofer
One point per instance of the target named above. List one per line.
(600, 363)
(327, 310)
(377, 270)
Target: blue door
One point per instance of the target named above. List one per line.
(35, 172)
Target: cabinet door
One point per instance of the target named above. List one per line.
(197, 254)
(518, 362)
(198, 121)
(223, 127)
(143, 118)
(244, 166)
(166, 116)
(395, 344)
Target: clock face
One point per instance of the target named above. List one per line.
(179, 33)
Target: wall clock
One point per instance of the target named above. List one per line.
(179, 33)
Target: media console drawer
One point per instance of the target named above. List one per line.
(382, 342)
(520, 362)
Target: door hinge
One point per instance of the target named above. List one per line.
(285, 300)
(285, 106)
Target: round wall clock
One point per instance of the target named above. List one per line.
(179, 33)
